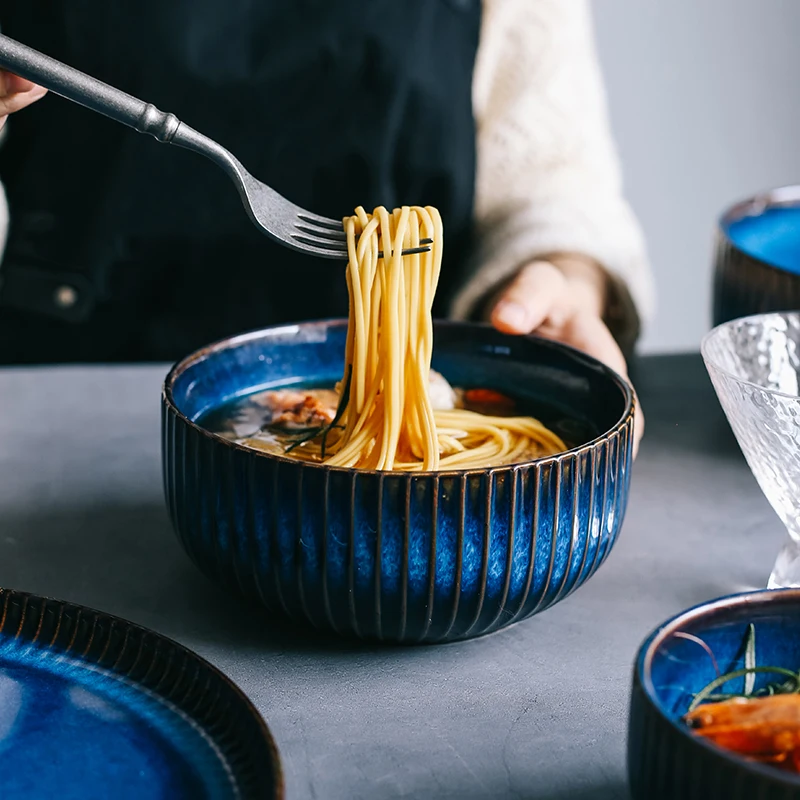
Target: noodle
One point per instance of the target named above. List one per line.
(386, 420)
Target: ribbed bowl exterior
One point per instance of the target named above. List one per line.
(392, 556)
(666, 761)
(743, 284)
(664, 764)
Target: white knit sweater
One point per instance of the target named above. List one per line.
(548, 177)
(548, 174)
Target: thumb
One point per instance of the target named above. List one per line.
(529, 299)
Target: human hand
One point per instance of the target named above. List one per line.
(15, 94)
(563, 298)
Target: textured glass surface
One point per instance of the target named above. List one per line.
(754, 364)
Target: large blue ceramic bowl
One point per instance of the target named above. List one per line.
(666, 761)
(400, 557)
(757, 260)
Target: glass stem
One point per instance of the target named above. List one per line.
(786, 572)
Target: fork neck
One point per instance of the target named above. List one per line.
(190, 139)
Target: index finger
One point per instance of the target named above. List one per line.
(13, 84)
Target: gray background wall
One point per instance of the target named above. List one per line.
(705, 105)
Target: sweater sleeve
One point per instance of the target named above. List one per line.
(548, 177)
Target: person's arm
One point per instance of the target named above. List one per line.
(558, 248)
(15, 94)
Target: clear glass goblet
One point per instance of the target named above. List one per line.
(754, 364)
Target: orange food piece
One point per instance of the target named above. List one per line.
(488, 397)
(762, 728)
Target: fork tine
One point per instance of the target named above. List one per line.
(323, 233)
(330, 229)
(331, 226)
(321, 222)
(337, 237)
(321, 252)
(321, 243)
(409, 251)
(328, 249)
(325, 237)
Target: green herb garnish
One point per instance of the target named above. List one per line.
(790, 685)
(324, 430)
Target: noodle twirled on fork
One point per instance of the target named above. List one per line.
(386, 420)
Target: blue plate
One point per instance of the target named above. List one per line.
(92, 706)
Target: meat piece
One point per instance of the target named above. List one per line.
(296, 409)
(310, 412)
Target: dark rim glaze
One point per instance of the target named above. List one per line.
(233, 341)
(744, 284)
(158, 665)
(661, 749)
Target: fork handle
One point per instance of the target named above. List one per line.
(85, 90)
(81, 88)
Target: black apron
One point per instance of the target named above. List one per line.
(122, 248)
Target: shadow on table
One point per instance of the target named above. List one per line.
(681, 408)
(607, 792)
(127, 561)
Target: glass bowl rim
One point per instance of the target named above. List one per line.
(711, 363)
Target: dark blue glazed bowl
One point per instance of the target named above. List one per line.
(757, 256)
(400, 557)
(666, 761)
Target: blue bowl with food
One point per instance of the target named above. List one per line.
(715, 709)
(757, 262)
(392, 555)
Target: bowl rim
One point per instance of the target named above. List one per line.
(709, 609)
(711, 363)
(786, 196)
(625, 420)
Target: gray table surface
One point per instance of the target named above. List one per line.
(536, 711)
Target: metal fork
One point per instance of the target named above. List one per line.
(271, 212)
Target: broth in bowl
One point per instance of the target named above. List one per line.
(280, 421)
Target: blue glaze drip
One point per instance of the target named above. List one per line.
(772, 236)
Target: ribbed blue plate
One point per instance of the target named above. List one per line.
(92, 706)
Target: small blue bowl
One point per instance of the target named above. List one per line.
(399, 557)
(666, 761)
(757, 260)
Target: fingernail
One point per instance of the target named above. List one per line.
(511, 314)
